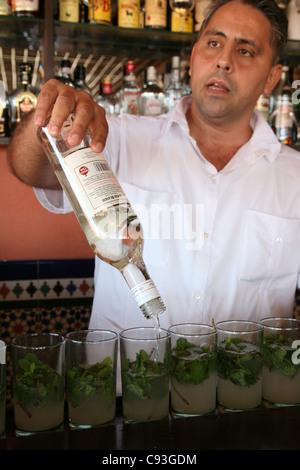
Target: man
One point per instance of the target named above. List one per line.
(226, 190)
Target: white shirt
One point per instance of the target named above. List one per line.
(236, 250)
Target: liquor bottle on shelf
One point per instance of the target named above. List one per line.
(79, 79)
(152, 97)
(99, 11)
(130, 92)
(263, 105)
(283, 120)
(106, 98)
(65, 73)
(69, 11)
(5, 8)
(156, 14)
(186, 85)
(31, 8)
(4, 112)
(23, 99)
(187, 23)
(283, 84)
(174, 90)
(128, 13)
(109, 222)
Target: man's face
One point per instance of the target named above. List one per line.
(231, 64)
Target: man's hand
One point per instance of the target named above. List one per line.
(59, 100)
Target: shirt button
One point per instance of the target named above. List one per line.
(197, 295)
(205, 235)
(213, 180)
(279, 240)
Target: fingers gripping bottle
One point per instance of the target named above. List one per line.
(110, 224)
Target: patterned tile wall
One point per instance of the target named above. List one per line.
(44, 296)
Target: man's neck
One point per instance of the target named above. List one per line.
(218, 144)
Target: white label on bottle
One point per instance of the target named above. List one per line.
(153, 107)
(94, 180)
(145, 292)
(90, 177)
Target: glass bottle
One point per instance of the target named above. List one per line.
(4, 112)
(130, 93)
(99, 11)
(112, 228)
(106, 98)
(283, 120)
(65, 73)
(152, 97)
(23, 99)
(31, 8)
(283, 84)
(263, 105)
(5, 8)
(79, 79)
(156, 14)
(174, 90)
(128, 13)
(69, 11)
(186, 85)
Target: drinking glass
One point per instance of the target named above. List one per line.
(239, 365)
(145, 371)
(38, 382)
(91, 360)
(281, 358)
(2, 388)
(193, 369)
(181, 7)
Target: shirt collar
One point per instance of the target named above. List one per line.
(263, 142)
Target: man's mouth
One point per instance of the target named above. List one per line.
(218, 86)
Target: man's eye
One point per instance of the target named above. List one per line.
(245, 52)
(213, 43)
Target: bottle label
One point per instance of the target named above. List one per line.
(144, 292)
(156, 13)
(188, 22)
(90, 177)
(128, 13)
(24, 5)
(153, 107)
(131, 102)
(26, 102)
(69, 10)
(100, 11)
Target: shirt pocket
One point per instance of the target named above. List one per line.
(154, 209)
(271, 250)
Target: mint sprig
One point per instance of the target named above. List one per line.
(191, 363)
(87, 380)
(236, 363)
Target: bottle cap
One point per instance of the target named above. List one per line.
(79, 72)
(175, 62)
(130, 67)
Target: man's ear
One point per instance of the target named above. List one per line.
(272, 79)
(192, 58)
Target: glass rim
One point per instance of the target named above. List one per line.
(113, 337)
(60, 337)
(202, 325)
(166, 333)
(257, 326)
(281, 327)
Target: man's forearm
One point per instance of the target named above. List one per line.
(26, 158)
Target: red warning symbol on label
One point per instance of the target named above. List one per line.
(83, 170)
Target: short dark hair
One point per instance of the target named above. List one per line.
(271, 10)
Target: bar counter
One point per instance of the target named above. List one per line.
(261, 429)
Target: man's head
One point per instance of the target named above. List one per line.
(275, 15)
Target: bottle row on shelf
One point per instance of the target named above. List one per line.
(155, 94)
(175, 15)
